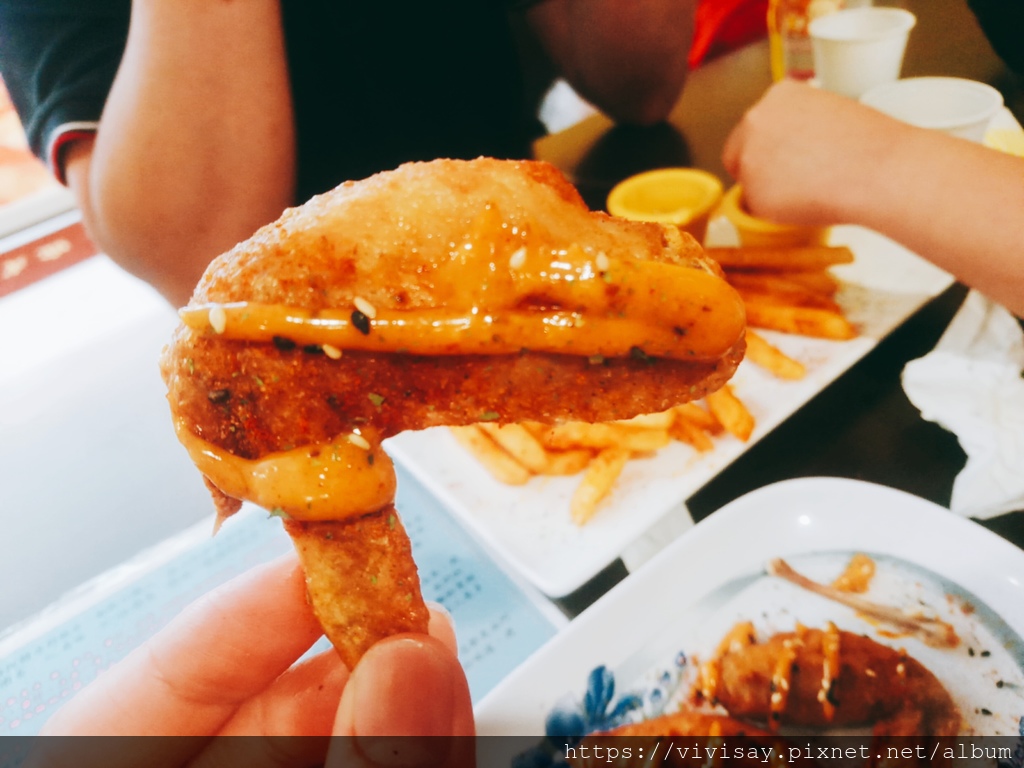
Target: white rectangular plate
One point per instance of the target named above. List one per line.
(529, 525)
(686, 597)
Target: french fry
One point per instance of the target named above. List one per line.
(733, 414)
(807, 301)
(699, 416)
(597, 481)
(500, 464)
(755, 285)
(806, 321)
(576, 434)
(537, 429)
(661, 420)
(781, 259)
(687, 431)
(569, 462)
(520, 444)
(817, 280)
(771, 358)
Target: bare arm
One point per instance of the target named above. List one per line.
(196, 146)
(810, 157)
(628, 58)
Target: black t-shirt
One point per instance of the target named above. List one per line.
(374, 84)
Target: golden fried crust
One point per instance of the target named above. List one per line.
(381, 238)
(896, 687)
(252, 398)
(361, 580)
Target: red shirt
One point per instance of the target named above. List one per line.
(722, 25)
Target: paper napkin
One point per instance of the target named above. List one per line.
(971, 384)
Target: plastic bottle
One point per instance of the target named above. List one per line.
(790, 44)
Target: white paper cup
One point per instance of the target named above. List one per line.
(859, 48)
(956, 106)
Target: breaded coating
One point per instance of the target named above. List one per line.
(361, 579)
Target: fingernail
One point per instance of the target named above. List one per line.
(439, 609)
(442, 627)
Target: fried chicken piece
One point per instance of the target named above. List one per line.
(784, 680)
(441, 293)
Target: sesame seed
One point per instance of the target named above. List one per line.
(901, 668)
(331, 351)
(365, 307)
(359, 441)
(602, 262)
(517, 259)
(218, 318)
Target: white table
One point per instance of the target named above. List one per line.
(90, 470)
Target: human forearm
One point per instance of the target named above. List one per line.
(196, 144)
(956, 203)
(806, 156)
(628, 58)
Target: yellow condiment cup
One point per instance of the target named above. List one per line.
(753, 231)
(684, 197)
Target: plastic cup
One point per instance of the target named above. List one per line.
(953, 105)
(859, 48)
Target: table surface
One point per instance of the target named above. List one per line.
(862, 426)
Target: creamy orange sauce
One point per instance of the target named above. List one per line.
(564, 301)
(830, 644)
(333, 481)
(781, 677)
(857, 576)
(740, 636)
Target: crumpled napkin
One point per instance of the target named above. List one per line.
(972, 385)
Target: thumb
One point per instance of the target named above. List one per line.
(404, 702)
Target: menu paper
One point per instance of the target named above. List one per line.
(45, 661)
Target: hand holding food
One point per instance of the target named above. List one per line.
(443, 293)
(231, 664)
